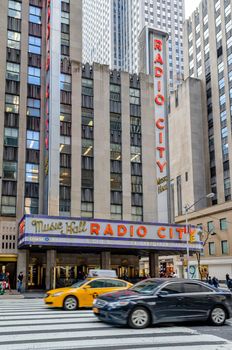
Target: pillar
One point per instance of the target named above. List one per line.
(154, 264)
(50, 269)
(23, 266)
(105, 260)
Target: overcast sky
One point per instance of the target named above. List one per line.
(190, 6)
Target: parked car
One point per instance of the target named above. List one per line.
(161, 300)
(83, 293)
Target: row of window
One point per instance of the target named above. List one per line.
(224, 248)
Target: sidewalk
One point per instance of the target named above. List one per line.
(26, 295)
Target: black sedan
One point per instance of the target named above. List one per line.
(165, 300)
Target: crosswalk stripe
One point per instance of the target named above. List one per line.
(109, 343)
(27, 326)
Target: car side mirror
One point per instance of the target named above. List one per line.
(162, 293)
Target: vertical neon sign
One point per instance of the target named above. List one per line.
(47, 95)
(159, 67)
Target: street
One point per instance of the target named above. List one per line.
(29, 324)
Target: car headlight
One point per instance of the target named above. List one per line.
(116, 304)
(57, 294)
(94, 301)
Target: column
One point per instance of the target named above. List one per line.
(50, 269)
(23, 265)
(105, 260)
(150, 204)
(126, 151)
(154, 264)
(101, 142)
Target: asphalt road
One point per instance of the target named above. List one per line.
(27, 324)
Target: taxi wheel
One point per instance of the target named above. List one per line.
(139, 318)
(217, 316)
(70, 303)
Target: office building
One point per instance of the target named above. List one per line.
(111, 30)
(201, 109)
(78, 152)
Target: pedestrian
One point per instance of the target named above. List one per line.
(7, 279)
(209, 280)
(20, 282)
(227, 279)
(215, 282)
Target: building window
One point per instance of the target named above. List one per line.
(33, 107)
(32, 139)
(87, 209)
(211, 248)
(13, 40)
(87, 87)
(34, 45)
(137, 213)
(12, 71)
(135, 154)
(31, 205)
(33, 76)
(115, 151)
(210, 226)
(65, 82)
(8, 205)
(65, 176)
(135, 96)
(223, 224)
(14, 9)
(10, 170)
(32, 172)
(115, 92)
(116, 212)
(224, 246)
(12, 104)
(87, 147)
(11, 137)
(35, 14)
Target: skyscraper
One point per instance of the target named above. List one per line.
(111, 30)
(201, 110)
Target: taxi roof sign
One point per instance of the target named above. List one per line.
(102, 273)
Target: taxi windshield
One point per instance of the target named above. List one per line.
(146, 287)
(79, 283)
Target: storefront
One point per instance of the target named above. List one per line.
(8, 264)
(61, 250)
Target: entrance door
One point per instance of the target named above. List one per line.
(36, 276)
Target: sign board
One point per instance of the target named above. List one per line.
(76, 232)
(153, 61)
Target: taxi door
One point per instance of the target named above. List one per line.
(90, 291)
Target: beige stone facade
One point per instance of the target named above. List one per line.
(82, 144)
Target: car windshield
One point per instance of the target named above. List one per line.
(146, 287)
(79, 284)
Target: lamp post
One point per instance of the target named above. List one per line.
(186, 208)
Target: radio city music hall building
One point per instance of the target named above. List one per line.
(84, 159)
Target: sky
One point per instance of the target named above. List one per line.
(190, 6)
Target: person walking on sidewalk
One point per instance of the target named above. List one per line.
(20, 282)
(7, 279)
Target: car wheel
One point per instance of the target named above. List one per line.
(70, 303)
(217, 316)
(139, 318)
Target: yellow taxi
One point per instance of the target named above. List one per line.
(83, 293)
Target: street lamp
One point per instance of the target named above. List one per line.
(186, 208)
